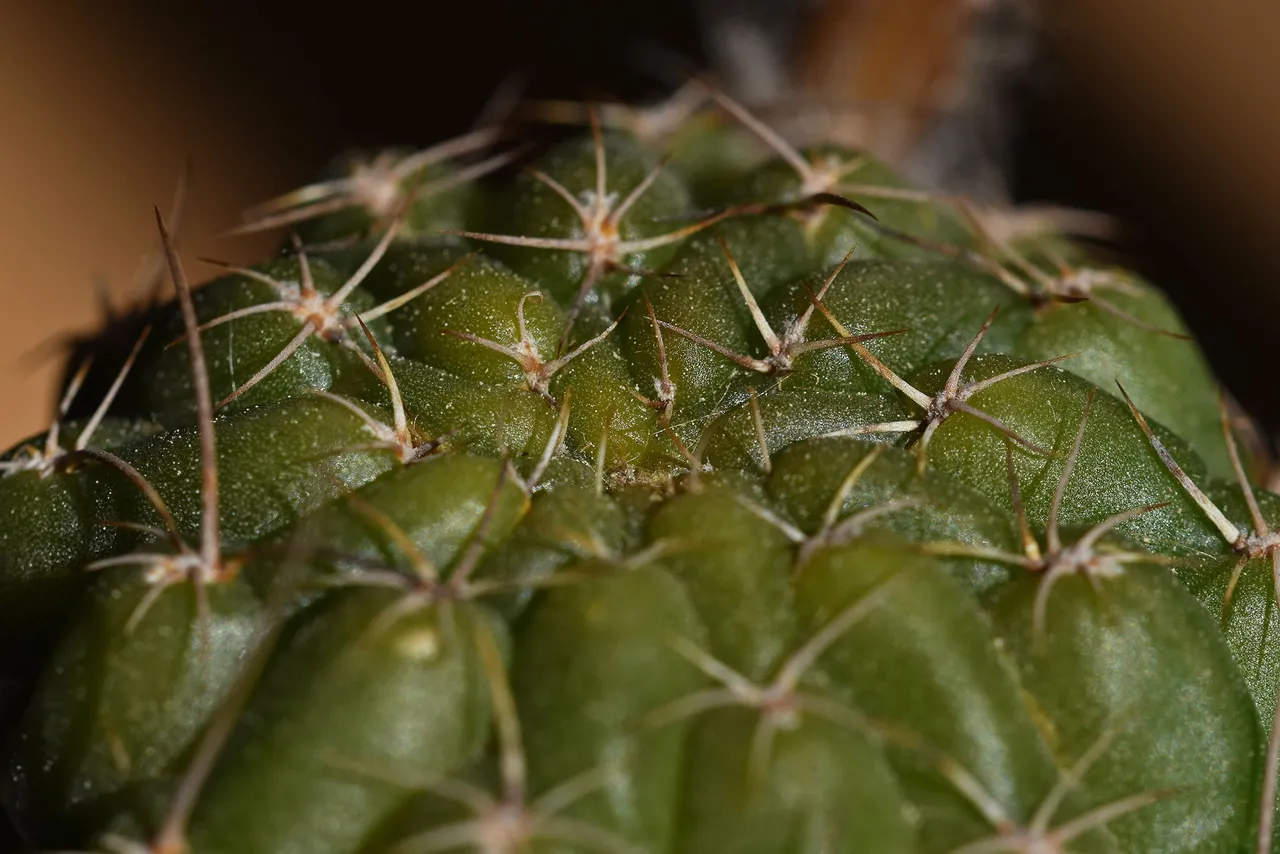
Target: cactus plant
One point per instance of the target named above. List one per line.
(682, 492)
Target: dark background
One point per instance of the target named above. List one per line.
(420, 71)
(1136, 108)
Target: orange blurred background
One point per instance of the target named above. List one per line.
(99, 116)
(1171, 115)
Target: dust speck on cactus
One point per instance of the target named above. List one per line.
(659, 489)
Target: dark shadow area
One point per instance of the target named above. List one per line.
(413, 72)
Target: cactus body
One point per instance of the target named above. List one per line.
(737, 506)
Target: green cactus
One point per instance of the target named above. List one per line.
(678, 494)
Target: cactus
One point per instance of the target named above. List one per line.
(681, 492)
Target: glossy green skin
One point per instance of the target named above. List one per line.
(652, 614)
(940, 306)
(478, 417)
(1248, 617)
(590, 661)
(49, 533)
(482, 299)
(736, 572)
(530, 208)
(48, 536)
(1117, 469)
(562, 526)
(1170, 376)
(86, 751)
(276, 464)
(790, 414)
(339, 705)
(142, 696)
(437, 504)
(430, 212)
(936, 673)
(160, 386)
(825, 788)
(712, 158)
(1130, 668)
(699, 298)
(807, 475)
(833, 231)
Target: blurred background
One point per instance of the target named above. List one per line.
(1166, 114)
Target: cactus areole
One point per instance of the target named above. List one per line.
(664, 489)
